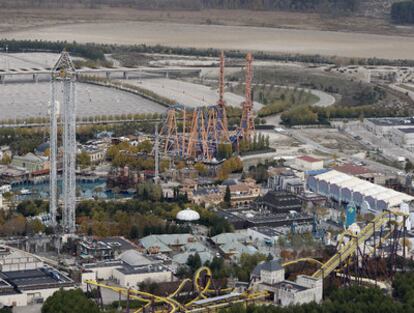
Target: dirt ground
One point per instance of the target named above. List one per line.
(273, 40)
(333, 139)
(15, 19)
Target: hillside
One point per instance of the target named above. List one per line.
(376, 8)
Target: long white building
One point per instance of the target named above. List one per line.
(345, 188)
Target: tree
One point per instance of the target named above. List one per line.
(201, 168)
(83, 159)
(69, 301)
(408, 166)
(134, 232)
(6, 159)
(224, 151)
(35, 226)
(403, 12)
(194, 262)
(227, 197)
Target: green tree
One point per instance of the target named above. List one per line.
(134, 232)
(227, 197)
(194, 262)
(83, 159)
(69, 301)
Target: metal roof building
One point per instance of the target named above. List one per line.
(346, 188)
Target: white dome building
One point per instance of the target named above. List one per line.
(188, 215)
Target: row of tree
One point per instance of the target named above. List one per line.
(295, 5)
(403, 12)
(310, 115)
(98, 51)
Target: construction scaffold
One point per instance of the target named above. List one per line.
(198, 133)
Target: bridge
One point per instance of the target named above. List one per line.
(36, 72)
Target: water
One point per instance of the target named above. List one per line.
(84, 190)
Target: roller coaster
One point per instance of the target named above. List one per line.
(386, 229)
(197, 133)
(207, 299)
(354, 248)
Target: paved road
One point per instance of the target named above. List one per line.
(325, 99)
(189, 94)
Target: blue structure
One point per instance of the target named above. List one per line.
(350, 214)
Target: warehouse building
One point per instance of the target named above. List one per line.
(383, 126)
(25, 279)
(278, 202)
(128, 270)
(343, 188)
(32, 286)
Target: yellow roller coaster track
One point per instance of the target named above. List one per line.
(173, 305)
(302, 260)
(352, 245)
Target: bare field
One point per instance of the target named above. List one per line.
(14, 19)
(228, 37)
(332, 139)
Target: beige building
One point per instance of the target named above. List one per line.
(308, 163)
(31, 162)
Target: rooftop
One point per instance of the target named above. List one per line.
(270, 266)
(392, 121)
(309, 159)
(352, 169)
(406, 130)
(41, 278)
(267, 231)
(134, 258)
(290, 285)
(130, 270)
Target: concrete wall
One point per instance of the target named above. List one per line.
(315, 284)
(20, 264)
(26, 297)
(272, 277)
(14, 300)
(132, 280)
(90, 275)
(105, 272)
(287, 297)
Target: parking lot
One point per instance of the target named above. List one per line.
(25, 100)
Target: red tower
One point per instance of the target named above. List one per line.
(247, 119)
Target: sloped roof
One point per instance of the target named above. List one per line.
(224, 238)
(195, 247)
(309, 159)
(153, 241)
(182, 258)
(269, 266)
(352, 169)
(238, 248)
(163, 241)
(134, 258)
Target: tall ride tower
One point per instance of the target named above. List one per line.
(64, 76)
(247, 119)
